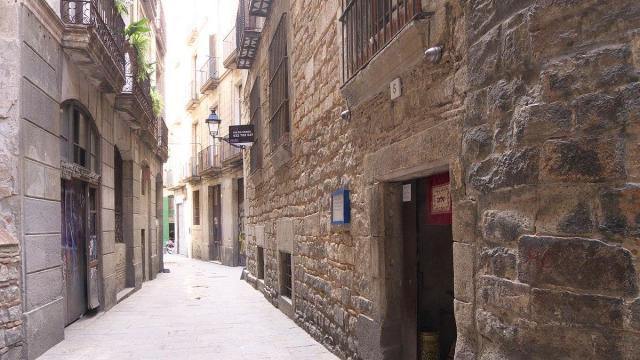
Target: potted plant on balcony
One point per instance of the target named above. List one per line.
(156, 100)
(137, 35)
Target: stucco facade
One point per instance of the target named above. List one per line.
(532, 113)
(207, 173)
(42, 73)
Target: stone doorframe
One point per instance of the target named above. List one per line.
(382, 334)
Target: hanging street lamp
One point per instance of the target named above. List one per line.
(240, 136)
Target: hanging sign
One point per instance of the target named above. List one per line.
(438, 200)
(241, 134)
(340, 207)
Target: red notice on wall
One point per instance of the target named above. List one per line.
(438, 200)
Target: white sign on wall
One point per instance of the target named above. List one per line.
(396, 88)
(406, 193)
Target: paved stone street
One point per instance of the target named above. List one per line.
(200, 310)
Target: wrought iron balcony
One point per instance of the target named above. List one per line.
(230, 49)
(163, 139)
(248, 29)
(94, 40)
(231, 154)
(134, 101)
(169, 180)
(192, 95)
(209, 160)
(209, 75)
(190, 170)
(260, 7)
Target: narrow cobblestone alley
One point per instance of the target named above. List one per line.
(200, 310)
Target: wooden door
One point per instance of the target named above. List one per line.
(215, 223)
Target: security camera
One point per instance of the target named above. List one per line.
(433, 54)
(346, 115)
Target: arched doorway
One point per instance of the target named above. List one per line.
(80, 145)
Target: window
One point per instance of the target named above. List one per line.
(368, 26)
(255, 156)
(279, 85)
(196, 207)
(79, 139)
(260, 262)
(285, 275)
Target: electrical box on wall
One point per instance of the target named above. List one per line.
(396, 88)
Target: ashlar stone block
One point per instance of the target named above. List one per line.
(577, 263)
(570, 309)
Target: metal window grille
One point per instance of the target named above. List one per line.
(368, 26)
(260, 262)
(279, 84)
(196, 207)
(256, 120)
(285, 267)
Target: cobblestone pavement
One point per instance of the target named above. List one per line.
(200, 310)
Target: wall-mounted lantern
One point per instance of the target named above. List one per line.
(240, 136)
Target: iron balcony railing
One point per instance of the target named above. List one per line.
(368, 26)
(229, 45)
(141, 91)
(208, 73)
(248, 28)
(230, 152)
(192, 93)
(190, 169)
(209, 159)
(163, 136)
(103, 17)
(169, 179)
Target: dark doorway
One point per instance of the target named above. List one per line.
(74, 235)
(241, 239)
(144, 255)
(428, 235)
(215, 223)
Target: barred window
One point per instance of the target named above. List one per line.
(286, 288)
(255, 156)
(279, 84)
(368, 26)
(260, 263)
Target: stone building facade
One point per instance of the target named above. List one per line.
(207, 173)
(530, 117)
(69, 102)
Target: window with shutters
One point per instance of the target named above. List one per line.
(279, 85)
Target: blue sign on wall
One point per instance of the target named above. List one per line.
(340, 207)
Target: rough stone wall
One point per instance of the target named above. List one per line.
(550, 207)
(534, 109)
(11, 329)
(334, 280)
